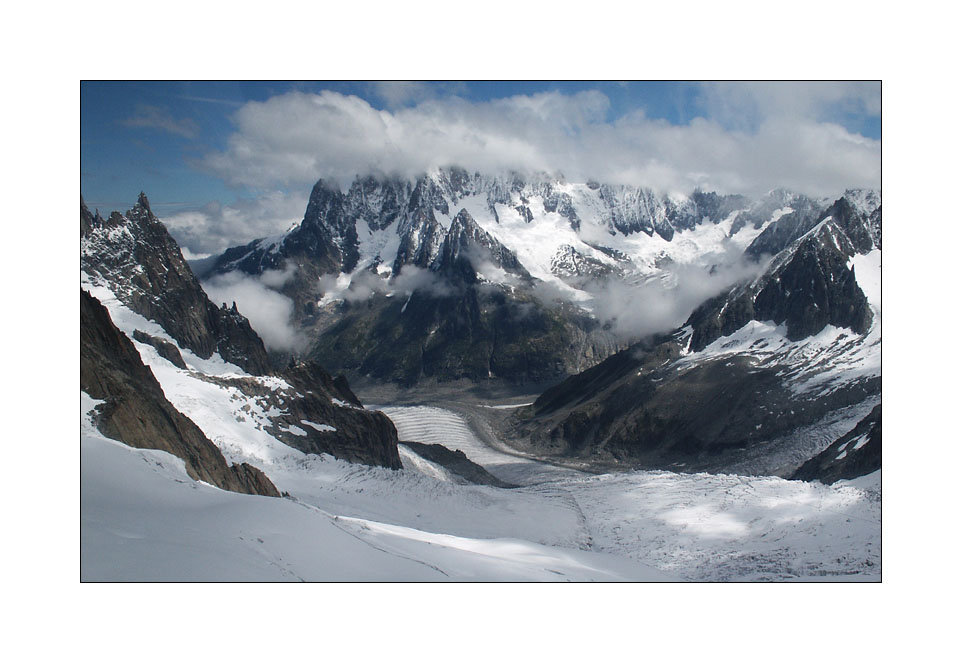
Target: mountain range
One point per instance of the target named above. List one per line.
(685, 333)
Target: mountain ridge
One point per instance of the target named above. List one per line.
(540, 241)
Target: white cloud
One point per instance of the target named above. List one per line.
(662, 304)
(215, 227)
(269, 311)
(296, 138)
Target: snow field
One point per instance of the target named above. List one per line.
(142, 518)
(694, 526)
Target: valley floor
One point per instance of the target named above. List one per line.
(143, 519)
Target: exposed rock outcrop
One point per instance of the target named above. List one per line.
(135, 256)
(137, 412)
(855, 454)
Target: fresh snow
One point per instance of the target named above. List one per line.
(143, 519)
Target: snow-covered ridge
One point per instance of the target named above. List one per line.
(390, 223)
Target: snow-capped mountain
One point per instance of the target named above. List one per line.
(561, 257)
(209, 357)
(135, 256)
(362, 506)
(758, 380)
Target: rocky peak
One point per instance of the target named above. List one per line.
(135, 257)
(87, 220)
(859, 214)
(467, 243)
(807, 286)
(325, 208)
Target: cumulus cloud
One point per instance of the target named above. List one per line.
(153, 117)
(296, 138)
(215, 227)
(269, 311)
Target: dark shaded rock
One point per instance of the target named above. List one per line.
(135, 256)
(165, 349)
(815, 288)
(778, 236)
(808, 285)
(478, 333)
(457, 462)
(466, 247)
(318, 414)
(136, 411)
(638, 409)
(841, 460)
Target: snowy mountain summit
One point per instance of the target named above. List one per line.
(680, 368)
(569, 272)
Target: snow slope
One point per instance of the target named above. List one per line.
(142, 518)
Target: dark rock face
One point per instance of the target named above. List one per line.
(135, 256)
(477, 332)
(809, 285)
(816, 288)
(842, 460)
(165, 349)
(638, 409)
(457, 462)
(342, 427)
(136, 411)
(466, 247)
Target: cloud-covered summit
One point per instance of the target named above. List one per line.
(748, 138)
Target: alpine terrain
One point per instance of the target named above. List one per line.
(494, 377)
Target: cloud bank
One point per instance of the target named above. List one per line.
(753, 138)
(215, 227)
(269, 311)
(664, 303)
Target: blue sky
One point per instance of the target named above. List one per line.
(228, 161)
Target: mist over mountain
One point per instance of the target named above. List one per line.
(568, 272)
